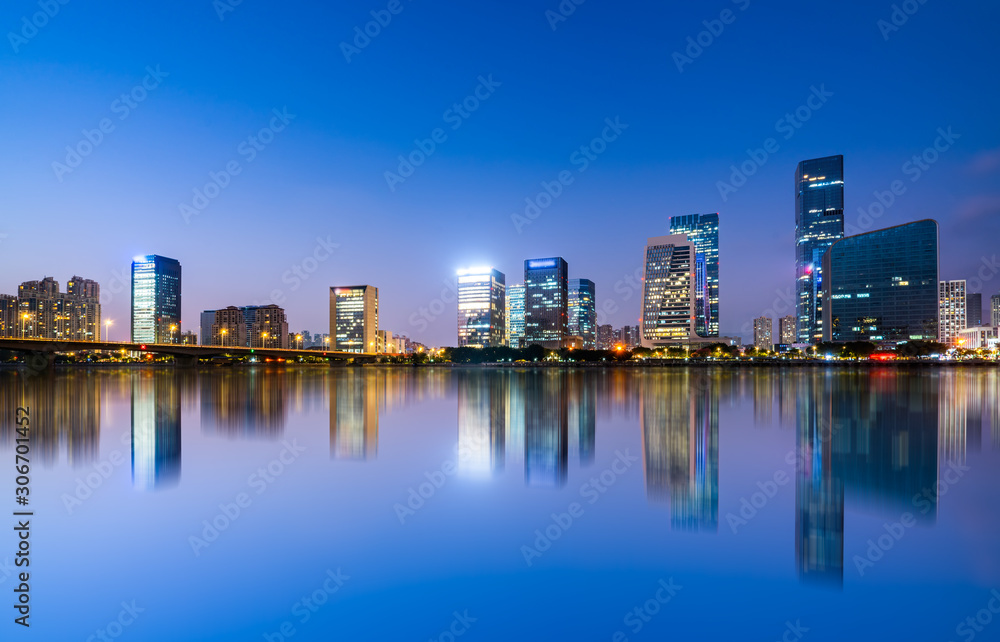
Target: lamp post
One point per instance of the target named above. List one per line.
(107, 330)
(298, 339)
(223, 332)
(24, 318)
(173, 330)
(263, 340)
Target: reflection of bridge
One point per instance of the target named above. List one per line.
(186, 354)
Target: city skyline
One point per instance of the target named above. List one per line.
(327, 164)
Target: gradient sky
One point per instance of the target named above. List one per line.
(322, 177)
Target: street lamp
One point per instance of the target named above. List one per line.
(173, 329)
(107, 330)
(24, 317)
(263, 339)
(223, 332)
(298, 338)
(326, 340)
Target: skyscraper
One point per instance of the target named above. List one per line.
(515, 315)
(763, 333)
(47, 313)
(156, 299)
(546, 299)
(481, 307)
(668, 298)
(973, 309)
(354, 318)
(952, 315)
(583, 311)
(206, 321)
(995, 310)
(786, 330)
(703, 231)
(819, 223)
(882, 286)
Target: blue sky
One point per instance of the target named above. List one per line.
(313, 208)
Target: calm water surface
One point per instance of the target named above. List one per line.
(401, 504)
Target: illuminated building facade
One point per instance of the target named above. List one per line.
(515, 315)
(763, 333)
(156, 299)
(995, 310)
(481, 307)
(786, 330)
(703, 231)
(354, 318)
(10, 325)
(953, 311)
(668, 297)
(546, 302)
(819, 223)
(43, 312)
(582, 310)
(882, 286)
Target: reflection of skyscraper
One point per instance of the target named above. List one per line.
(546, 438)
(482, 417)
(680, 437)
(156, 430)
(953, 416)
(582, 419)
(244, 404)
(65, 411)
(354, 404)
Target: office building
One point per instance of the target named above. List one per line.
(703, 231)
(995, 310)
(786, 330)
(668, 299)
(354, 318)
(819, 223)
(952, 311)
(582, 309)
(482, 293)
(205, 323)
(47, 313)
(973, 310)
(156, 299)
(882, 286)
(546, 301)
(514, 317)
(763, 334)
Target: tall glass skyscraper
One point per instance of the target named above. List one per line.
(583, 311)
(703, 231)
(515, 315)
(883, 286)
(481, 307)
(819, 223)
(546, 302)
(156, 299)
(668, 297)
(354, 318)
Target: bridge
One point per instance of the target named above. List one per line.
(184, 353)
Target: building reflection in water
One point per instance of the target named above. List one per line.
(354, 406)
(871, 437)
(65, 411)
(245, 403)
(582, 418)
(156, 429)
(680, 438)
(482, 419)
(546, 428)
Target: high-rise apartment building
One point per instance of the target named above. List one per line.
(354, 318)
(156, 299)
(952, 310)
(786, 330)
(668, 298)
(973, 309)
(819, 223)
(763, 333)
(482, 293)
(703, 231)
(515, 315)
(10, 324)
(46, 313)
(995, 310)
(546, 301)
(582, 309)
(605, 337)
(881, 286)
